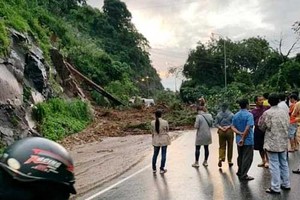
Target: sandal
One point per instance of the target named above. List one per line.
(270, 191)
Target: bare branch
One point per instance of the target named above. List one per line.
(280, 45)
(289, 51)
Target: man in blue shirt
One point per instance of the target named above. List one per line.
(242, 125)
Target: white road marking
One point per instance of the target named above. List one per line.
(117, 183)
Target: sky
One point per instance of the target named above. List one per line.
(174, 27)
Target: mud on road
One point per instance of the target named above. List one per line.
(99, 162)
(112, 144)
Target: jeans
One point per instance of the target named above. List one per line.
(279, 170)
(163, 157)
(292, 130)
(197, 152)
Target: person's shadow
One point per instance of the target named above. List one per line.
(162, 186)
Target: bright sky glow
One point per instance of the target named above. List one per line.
(173, 27)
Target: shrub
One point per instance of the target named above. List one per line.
(58, 118)
(4, 40)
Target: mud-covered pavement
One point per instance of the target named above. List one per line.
(112, 144)
(99, 162)
(182, 181)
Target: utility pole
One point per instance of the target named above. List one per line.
(225, 67)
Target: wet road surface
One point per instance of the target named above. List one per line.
(183, 182)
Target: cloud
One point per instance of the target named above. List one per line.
(173, 27)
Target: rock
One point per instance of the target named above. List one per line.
(6, 135)
(23, 68)
(35, 72)
(10, 87)
(18, 36)
(36, 97)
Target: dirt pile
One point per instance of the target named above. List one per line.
(113, 123)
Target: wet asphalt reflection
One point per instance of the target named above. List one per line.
(184, 182)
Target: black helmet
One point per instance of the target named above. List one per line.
(36, 158)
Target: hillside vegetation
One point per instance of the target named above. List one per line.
(104, 45)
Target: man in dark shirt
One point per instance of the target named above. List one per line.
(259, 135)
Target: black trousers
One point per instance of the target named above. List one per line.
(244, 160)
(197, 152)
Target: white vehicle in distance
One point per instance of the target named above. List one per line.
(146, 102)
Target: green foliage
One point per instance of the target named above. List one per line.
(103, 45)
(100, 99)
(215, 96)
(182, 117)
(253, 68)
(219, 96)
(291, 70)
(58, 118)
(165, 97)
(4, 40)
(14, 119)
(123, 89)
(251, 60)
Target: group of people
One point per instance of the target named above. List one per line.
(268, 128)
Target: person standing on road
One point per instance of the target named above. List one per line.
(296, 114)
(293, 123)
(203, 123)
(242, 125)
(282, 102)
(259, 135)
(223, 123)
(275, 122)
(160, 140)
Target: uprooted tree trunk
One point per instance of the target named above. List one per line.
(66, 70)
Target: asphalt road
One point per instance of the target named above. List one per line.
(183, 182)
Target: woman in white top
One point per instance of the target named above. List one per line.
(160, 139)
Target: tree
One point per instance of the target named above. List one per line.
(291, 70)
(252, 58)
(117, 14)
(60, 7)
(203, 66)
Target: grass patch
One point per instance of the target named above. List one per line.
(4, 39)
(58, 118)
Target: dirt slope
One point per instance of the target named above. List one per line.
(112, 123)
